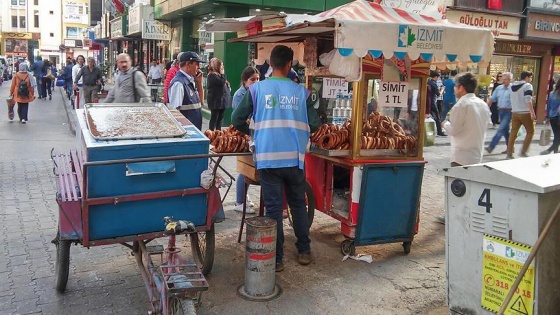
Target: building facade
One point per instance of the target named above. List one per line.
(19, 36)
(75, 21)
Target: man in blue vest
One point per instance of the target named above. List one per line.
(185, 90)
(284, 116)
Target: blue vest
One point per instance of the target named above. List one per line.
(191, 100)
(281, 123)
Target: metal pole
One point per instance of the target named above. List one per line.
(260, 261)
(529, 259)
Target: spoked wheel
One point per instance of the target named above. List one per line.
(310, 201)
(62, 263)
(202, 246)
(347, 247)
(179, 306)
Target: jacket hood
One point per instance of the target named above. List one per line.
(515, 86)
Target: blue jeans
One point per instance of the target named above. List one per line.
(68, 85)
(240, 189)
(446, 108)
(40, 90)
(503, 129)
(273, 182)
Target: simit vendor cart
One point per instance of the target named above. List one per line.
(367, 67)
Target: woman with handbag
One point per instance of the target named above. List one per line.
(553, 116)
(22, 92)
(216, 84)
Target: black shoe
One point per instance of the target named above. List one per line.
(50, 97)
(279, 266)
(442, 134)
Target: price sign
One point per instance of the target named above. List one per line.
(393, 94)
(502, 260)
(331, 86)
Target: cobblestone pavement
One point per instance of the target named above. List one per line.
(106, 280)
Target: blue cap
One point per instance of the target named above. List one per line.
(190, 56)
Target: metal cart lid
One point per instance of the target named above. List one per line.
(537, 174)
(131, 121)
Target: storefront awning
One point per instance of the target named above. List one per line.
(360, 27)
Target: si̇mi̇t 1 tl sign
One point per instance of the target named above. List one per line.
(155, 30)
(393, 94)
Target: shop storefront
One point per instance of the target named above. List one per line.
(17, 46)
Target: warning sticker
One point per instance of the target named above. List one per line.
(501, 263)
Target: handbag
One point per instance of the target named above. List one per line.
(544, 139)
(60, 82)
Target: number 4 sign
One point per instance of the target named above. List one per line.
(393, 94)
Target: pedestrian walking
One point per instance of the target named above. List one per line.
(249, 76)
(281, 109)
(433, 94)
(553, 117)
(467, 123)
(67, 75)
(37, 69)
(216, 83)
(185, 90)
(501, 96)
(495, 115)
(130, 84)
(92, 79)
(523, 113)
(22, 92)
(46, 82)
(449, 98)
(155, 74)
(78, 88)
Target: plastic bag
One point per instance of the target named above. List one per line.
(206, 179)
(348, 67)
(544, 138)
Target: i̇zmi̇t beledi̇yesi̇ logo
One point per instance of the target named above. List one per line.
(283, 101)
(420, 37)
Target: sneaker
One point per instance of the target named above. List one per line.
(50, 97)
(250, 202)
(509, 157)
(504, 152)
(488, 150)
(279, 266)
(523, 154)
(305, 258)
(23, 121)
(248, 210)
(546, 152)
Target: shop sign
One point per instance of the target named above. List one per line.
(76, 18)
(17, 35)
(393, 94)
(543, 26)
(116, 28)
(557, 64)
(97, 31)
(433, 8)
(332, 86)
(548, 5)
(155, 30)
(205, 37)
(136, 14)
(513, 48)
(70, 43)
(503, 27)
(13, 45)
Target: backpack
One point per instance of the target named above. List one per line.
(23, 88)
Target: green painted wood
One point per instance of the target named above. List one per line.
(313, 5)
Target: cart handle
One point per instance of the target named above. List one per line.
(163, 158)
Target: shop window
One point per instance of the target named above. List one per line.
(71, 32)
(36, 21)
(51, 34)
(21, 2)
(14, 2)
(14, 21)
(22, 21)
(51, 12)
(36, 2)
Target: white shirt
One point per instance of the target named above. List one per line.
(467, 129)
(155, 72)
(75, 70)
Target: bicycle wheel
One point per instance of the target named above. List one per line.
(62, 266)
(177, 306)
(310, 200)
(203, 246)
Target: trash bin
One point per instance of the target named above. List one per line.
(495, 213)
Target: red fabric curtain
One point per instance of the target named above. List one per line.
(495, 4)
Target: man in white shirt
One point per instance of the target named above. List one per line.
(80, 60)
(467, 123)
(155, 73)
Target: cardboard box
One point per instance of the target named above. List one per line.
(246, 167)
(273, 24)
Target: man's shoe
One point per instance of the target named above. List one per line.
(279, 266)
(504, 152)
(523, 154)
(23, 121)
(305, 258)
(509, 157)
(442, 134)
(488, 150)
(546, 152)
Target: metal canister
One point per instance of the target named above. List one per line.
(260, 261)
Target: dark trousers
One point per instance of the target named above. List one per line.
(216, 117)
(22, 110)
(68, 87)
(194, 116)
(435, 115)
(40, 88)
(273, 183)
(46, 87)
(156, 81)
(555, 125)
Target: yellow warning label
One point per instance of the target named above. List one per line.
(501, 263)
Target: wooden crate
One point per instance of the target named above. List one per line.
(246, 167)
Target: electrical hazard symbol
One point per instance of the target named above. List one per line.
(519, 306)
